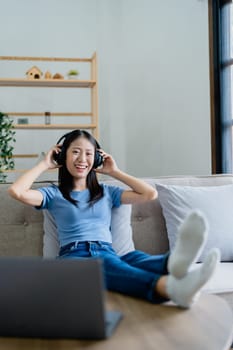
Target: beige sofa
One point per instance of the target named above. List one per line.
(21, 228)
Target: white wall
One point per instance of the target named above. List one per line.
(44, 28)
(153, 74)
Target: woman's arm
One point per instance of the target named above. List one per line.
(141, 191)
(21, 188)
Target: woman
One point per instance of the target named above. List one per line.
(82, 211)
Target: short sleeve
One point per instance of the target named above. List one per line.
(48, 195)
(115, 194)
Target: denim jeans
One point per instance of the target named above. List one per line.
(135, 273)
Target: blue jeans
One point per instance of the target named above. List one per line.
(135, 273)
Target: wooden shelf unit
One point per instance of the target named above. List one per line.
(57, 83)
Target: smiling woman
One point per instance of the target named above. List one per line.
(78, 156)
(82, 210)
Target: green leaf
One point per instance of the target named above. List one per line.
(7, 140)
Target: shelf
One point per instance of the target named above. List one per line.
(52, 114)
(60, 83)
(33, 155)
(54, 126)
(91, 84)
(54, 59)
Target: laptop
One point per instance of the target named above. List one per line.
(52, 298)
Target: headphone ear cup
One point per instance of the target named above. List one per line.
(60, 157)
(98, 160)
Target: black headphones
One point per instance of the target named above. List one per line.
(61, 156)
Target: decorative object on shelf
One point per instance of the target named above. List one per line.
(48, 75)
(73, 74)
(34, 73)
(58, 76)
(47, 118)
(23, 121)
(6, 148)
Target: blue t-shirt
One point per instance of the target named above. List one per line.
(84, 221)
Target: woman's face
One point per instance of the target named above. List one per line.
(80, 157)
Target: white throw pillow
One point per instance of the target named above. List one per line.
(50, 239)
(121, 229)
(216, 203)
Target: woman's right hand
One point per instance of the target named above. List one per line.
(49, 157)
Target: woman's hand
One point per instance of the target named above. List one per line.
(109, 164)
(49, 157)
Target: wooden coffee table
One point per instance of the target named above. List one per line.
(208, 325)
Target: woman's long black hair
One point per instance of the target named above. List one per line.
(65, 179)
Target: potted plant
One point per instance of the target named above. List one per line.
(73, 74)
(6, 148)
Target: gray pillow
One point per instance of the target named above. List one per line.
(121, 229)
(216, 203)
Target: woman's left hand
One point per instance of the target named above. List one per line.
(109, 164)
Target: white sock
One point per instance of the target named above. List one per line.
(185, 291)
(190, 241)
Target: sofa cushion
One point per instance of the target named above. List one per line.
(121, 231)
(216, 203)
(220, 282)
(149, 227)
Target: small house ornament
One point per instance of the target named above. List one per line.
(34, 73)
